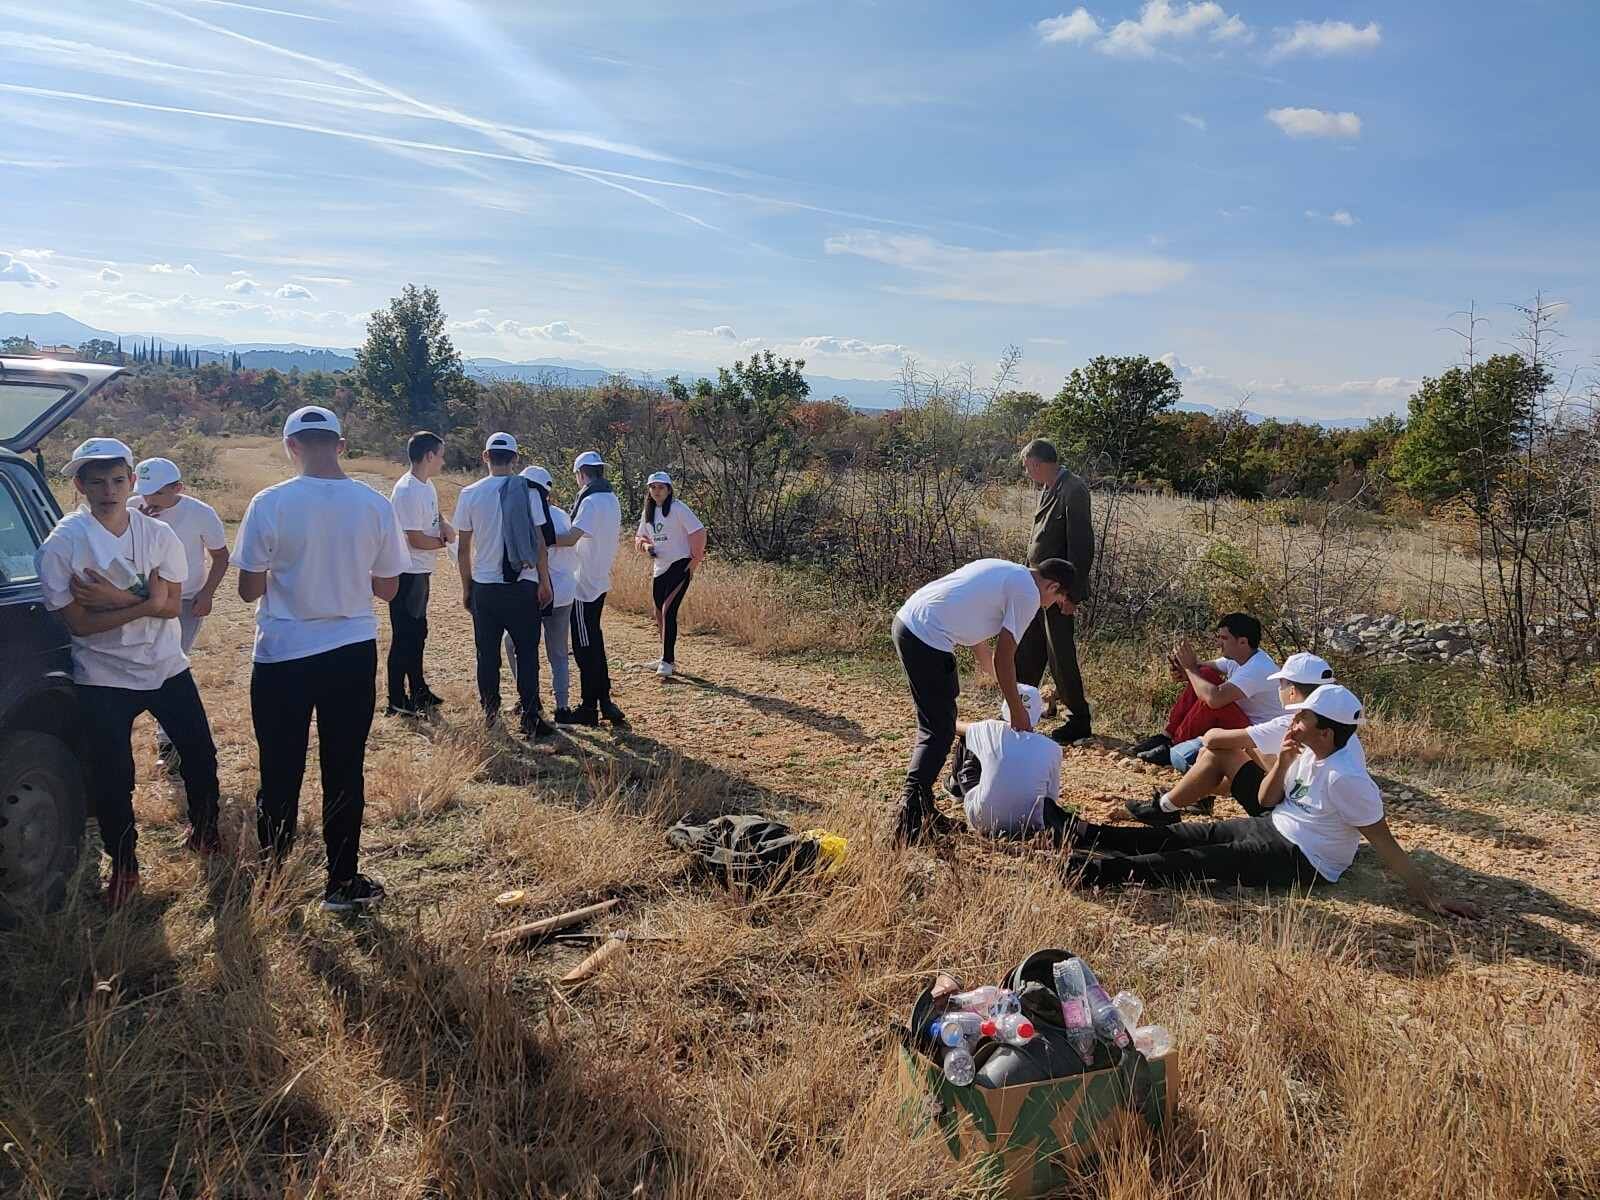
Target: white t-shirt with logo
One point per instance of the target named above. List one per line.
(1324, 804)
(1018, 768)
(321, 542)
(1253, 677)
(143, 654)
(478, 513)
(670, 534)
(563, 562)
(1268, 738)
(600, 517)
(416, 507)
(199, 529)
(973, 604)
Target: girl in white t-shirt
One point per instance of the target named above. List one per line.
(675, 540)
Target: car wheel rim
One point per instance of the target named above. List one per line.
(30, 832)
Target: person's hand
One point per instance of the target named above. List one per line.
(1291, 742)
(1019, 716)
(466, 599)
(447, 531)
(1454, 906)
(1183, 654)
(201, 605)
(98, 594)
(546, 595)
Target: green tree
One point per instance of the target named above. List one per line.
(18, 345)
(98, 350)
(409, 369)
(1465, 425)
(1104, 415)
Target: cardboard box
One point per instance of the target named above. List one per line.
(1027, 1137)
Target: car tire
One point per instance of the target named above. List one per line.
(41, 820)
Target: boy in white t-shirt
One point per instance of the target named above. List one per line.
(1007, 781)
(597, 521)
(416, 507)
(116, 577)
(1320, 804)
(312, 553)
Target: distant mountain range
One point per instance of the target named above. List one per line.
(54, 329)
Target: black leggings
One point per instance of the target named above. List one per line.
(668, 589)
(1247, 850)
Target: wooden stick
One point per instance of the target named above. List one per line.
(625, 934)
(590, 966)
(539, 928)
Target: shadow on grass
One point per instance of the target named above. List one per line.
(832, 724)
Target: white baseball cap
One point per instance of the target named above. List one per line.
(153, 474)
(501, 441)
(659, 477)
(538, 475)
(1304, 668)
(1032, 700)
(98, 450)
(1335, 702)
(588, 458)
(312, 416)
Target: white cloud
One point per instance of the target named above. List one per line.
(26, 253)
(848, 347)
(327, 280)
(186, 307)
(14, 270)
(1162, 21)
(1313, 122)
(238, 274)
(716, 331)
(1325, 38)
(1243, 210)
(480, 325)
(1076, 26)
(169, 269)
(1049, 277)
(107, 275)
(243, 286)
(293, 291)
(1339, 216)
(1190, 119)
(555, 331)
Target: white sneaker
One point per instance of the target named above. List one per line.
(664, 670)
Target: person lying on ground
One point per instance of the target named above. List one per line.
(989, 598)
(1236, 761)
(1007, 781)
(1321, 803)
(1230, 692)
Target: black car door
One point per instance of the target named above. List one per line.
(34, 646)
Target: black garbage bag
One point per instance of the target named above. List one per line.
(745, 850)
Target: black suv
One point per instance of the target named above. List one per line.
(41, 785)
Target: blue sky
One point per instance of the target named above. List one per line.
(1288, 199)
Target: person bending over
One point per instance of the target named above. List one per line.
(1007, 782)
(1321, 803)
(989, 598)
(1230, 692)
(1236, 761)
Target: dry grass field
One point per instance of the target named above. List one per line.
(223, 1038)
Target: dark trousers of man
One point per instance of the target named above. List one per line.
(107, 714)
(499, 609)
(339, 688)
(1247, 850)
(589, 648)
(408, 630)
(1049, 639)
(935, 684)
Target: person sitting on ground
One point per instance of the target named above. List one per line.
(1234, 691)
(1321, 803)
(1237, 760)
(989, 598)
(1008, 782)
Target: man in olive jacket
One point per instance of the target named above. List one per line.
(1062, 528)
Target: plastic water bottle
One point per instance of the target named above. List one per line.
(1014, 1029)
(954, 1028)
(959, 1066)
(987, 1001)
(1072, 990)
(1129, 1007)
(1108, 1024)
(1152, 1041)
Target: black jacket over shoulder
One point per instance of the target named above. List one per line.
(1063, 528)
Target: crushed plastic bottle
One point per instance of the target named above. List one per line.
(988, 1001)
(1129, 1007)
(1073, 992)
(1152, 1041)
(1014, 1029)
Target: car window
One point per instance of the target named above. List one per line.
(17, 542)
(22, 402)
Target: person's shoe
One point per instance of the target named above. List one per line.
(569, 716)
(1159, 755)
(207, 843)
(121, 887)
(612, 713)
(1150, 811)
(537, 728)
(584, 714)
(1141, 748)
(1066, 829)
(953, 786)
(1206, 807)
(1074, 729)
(402, 710)
(664, 669)
(491, 720)
(427, 701)
(908, 823)
(355, 894)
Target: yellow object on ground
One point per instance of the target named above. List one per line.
(831, 848)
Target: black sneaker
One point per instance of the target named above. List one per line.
(1139, 749)
(568, 716)
(1159, 755)
(1074, 729)
(919, 821)
(612, 713)
(353, 894)
(1151, 813)
(1066, 829)
(584, 714)
(1206, 807)
(537, 728)
(427, 701)
(401, 710)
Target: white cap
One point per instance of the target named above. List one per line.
(589, 458)
(1304, 668)
(98, 450)
(538, 475)
(153, 474)
(1031, 700)
(1335, 702)
(312, 416)
(659, 477)
(501, 441)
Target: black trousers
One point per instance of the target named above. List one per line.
(589, 648)
(107, 715)
(408, 629)
(1247, 850)
(667, 589)
(339, 688)
(1050, 639)
(498, 610)
(935, 684)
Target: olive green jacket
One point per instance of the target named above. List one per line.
(1063, 528)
